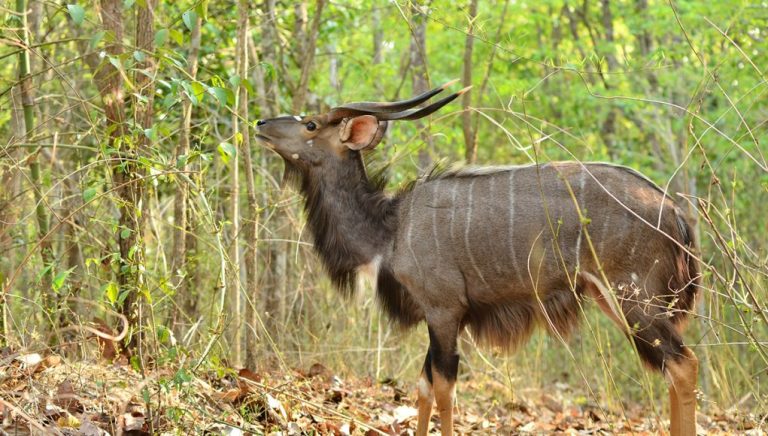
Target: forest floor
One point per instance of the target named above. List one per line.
(50, 395)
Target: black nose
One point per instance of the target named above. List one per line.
(260, 122)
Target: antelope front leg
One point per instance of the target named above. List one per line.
(445, 366)
(426, 397)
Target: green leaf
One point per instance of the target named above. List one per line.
(227, 150)
(58, 281)
(160, 37)
(96, 39)
(151, 134)
(198, 91)
(221, 94)
(127, 4)
(111, 291)
(139, 56)
(189, 18)
(163, 334)
(89, 194)
(136, 365)
(269, 70)
(125, 233)
(177, 36)
(77, 13)
(235, 81)
(181, 377)
(115, 62)
(202, 9)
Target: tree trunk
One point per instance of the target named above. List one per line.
(308, 47)
(378, 35)
(9, 209)
(50, 303)
(125, 173)
(268, 48)
(183, 236)
(489, 66)
(252, 220)
(466, 79)
(419, 74)
(235, 300)
(608, 130)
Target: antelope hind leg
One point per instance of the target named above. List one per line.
(682, 374)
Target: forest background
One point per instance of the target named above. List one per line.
(133, 197)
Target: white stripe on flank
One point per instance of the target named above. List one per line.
(492, 194)
(513, 255)
(467, 227)
(625, 228)
(582, 181)
(603, 234)
(408, 237)
(453, 209)
(435, 193)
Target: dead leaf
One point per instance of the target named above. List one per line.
(250, 375)
(318, 369)
(133, 421)
(87, 428)
(68, 421)
(404, 413)
(231, 395)
(67, 399)
(277, 408)
(28, 360)
(50, 362)
(551, 403)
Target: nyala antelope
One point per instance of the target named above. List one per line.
(496, 250)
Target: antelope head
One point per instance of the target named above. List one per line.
(315, 140)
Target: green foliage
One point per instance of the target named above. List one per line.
(77, 13)
(677, 91)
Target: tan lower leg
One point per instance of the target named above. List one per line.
(443, 390)
(682, 376)
(425, 399)
(674, 412)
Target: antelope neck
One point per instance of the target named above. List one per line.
(351, 219)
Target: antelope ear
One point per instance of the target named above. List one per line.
(362, 133)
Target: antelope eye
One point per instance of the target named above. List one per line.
(311, 126)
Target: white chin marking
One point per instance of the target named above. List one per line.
(297, 118)
(295, 156)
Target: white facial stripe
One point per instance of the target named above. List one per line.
(295, 155)
(310, 143)
(297, 118)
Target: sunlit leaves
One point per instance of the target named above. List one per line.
(221, 94)
(89, 194)
(77, 13)
(60, 279)
(227, 151)
(111, 292)
(160, 37)
(189, 18)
